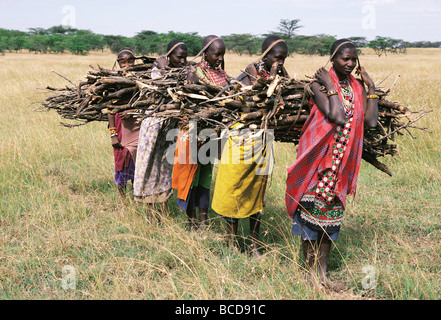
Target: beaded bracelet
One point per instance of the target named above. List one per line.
(113, 135)
(332, 92)
(372, 96)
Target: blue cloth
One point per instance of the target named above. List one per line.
(300, 229)
(234, 220)
(126, 174)
(198, 196)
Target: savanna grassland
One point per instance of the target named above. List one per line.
(59, 206)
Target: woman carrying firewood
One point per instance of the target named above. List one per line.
(191, 178)
(241, 179)
(271, 62)
(153, 173)
(124, 135)
(329, 154)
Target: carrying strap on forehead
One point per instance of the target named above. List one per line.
(269, 49)
(120, 54)
(173, 48)
(206, 47)
(336, 50)
(125, 51)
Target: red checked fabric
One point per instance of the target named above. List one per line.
(315, 153)
(216, 76)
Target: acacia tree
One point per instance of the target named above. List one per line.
(383, 45)
(116, 43)
(360, 42)
(191, 39)
(318, 44)
(243, 43)
(60, 30)
(287, 28)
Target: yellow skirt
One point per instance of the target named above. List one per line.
(241, 177)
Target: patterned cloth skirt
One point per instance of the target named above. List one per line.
(314, 216)
(153, 173)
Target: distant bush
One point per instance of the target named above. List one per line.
(59, 39)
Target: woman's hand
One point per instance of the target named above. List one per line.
(324, 78)
(116, 143)
(161, 62)
(125, 114)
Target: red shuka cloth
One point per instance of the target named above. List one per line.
(314, 152)
(128, 134)
(120, 155)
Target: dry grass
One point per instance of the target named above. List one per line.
(59, 206)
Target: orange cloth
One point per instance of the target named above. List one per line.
(183, 173)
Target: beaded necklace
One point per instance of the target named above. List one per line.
(261, 70)
(348, 97)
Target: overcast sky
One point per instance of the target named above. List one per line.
(409, 20)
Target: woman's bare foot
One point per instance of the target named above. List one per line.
(255, 251)
(328, 284)
(203, 216)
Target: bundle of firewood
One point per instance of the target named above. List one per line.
(279, 104)
(103, 88)
(394, 119)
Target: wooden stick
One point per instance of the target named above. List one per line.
(64, 77)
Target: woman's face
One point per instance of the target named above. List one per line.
(215, 54)
(126, 60)
(345, 61)
(276, 54)
(178, 58)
